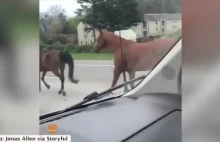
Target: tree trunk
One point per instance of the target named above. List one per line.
(94, 35)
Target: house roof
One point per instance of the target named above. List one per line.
(167, 16)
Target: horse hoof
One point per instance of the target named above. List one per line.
(48, 87)
(64, 93)
(60, 92)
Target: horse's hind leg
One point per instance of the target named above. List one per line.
(39, 83)
(62, 67)
(42, 78)
(61, 77)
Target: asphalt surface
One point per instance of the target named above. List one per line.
(93, 76)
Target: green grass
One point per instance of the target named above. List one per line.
(92, 56)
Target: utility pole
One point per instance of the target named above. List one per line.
(93, 29)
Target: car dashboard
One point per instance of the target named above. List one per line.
(148, 118)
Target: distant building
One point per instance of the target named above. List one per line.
(87, 38)
(84, 37)
(158, 25)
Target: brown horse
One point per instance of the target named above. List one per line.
(135, 56)
(55, 60)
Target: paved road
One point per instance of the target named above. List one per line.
(93, 75)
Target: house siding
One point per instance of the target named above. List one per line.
(84, 37)
(154, 26)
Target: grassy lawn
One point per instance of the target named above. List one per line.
(92, 56)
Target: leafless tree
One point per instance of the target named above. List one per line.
(62, 19)
(55, 11)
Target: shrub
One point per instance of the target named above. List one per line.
(105, 50)
(140, 40)
(42, 45)
(153, 37)
(53, 46)
(61, 38)
(72, 47)
(86, 48)
(79, 49)
(49, 41)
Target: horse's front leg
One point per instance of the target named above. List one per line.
(117, 73)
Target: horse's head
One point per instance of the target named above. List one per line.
(100, 43)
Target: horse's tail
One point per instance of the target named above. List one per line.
(66, 57)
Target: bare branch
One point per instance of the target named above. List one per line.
(55, 11)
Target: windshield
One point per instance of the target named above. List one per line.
(93, 45)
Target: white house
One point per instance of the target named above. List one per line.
(87, 38)
(84, 37)
(158, 24)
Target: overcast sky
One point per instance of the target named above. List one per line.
(69, 5)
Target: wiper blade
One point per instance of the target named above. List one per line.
(96, 95)
(90, 97)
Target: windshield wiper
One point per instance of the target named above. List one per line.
(95, 95)
(91, 97)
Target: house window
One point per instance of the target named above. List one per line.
(156, 22)
(163, 23)
(144, 24)
(145, 34)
